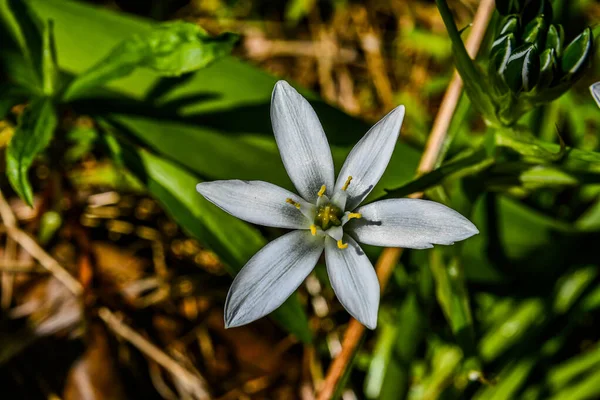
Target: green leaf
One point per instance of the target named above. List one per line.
(11, 95)
(32, 135)
(170, 49)
(571, 286)
(24, 27)
(234, 241)
(568, 371)
(21, 73)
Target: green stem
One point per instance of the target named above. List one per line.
(461, 54)
(473, 80)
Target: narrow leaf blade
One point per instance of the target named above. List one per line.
(33, 134)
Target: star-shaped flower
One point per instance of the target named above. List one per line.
(324, 216)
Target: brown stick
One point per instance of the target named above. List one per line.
(36, 251)
(390, 256)
(193, 384)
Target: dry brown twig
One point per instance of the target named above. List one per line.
(35, 250)
(390, 256)
(192, 383)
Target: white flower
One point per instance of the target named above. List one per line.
(325, 215)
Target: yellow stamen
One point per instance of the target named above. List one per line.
(292, 202)
(313, 229)
(354, 215)
(322, 191)
(345, 187)
(342, 245)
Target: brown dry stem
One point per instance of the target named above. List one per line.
(390, 256)
(35, 250)
(192, 383)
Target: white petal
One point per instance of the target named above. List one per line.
(258, 202)
(271, 276)
(335, 232)
(595, 91)
(409, 223)
(354, 280)
(301, 141)
(369, 158)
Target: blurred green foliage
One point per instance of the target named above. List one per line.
(509, 314)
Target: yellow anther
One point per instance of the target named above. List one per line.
(342, 245)
(345, 187)
(292, 202)
(322, 191)
(313, 229)
(354, 215)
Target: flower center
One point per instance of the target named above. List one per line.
(328, 215)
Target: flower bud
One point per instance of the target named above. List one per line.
(576, 55)
(502, 48)
(535, 32)
(555, 39)
(509, 24)
(523, 68)
(548, 66)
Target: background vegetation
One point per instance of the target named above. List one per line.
(114, 270)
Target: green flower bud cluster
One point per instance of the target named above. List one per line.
(530, 63)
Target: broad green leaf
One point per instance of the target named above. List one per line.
(32, 135)
(233, 240)
(20, 73)
(170, 49)
(24, 27)
(229, 99)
